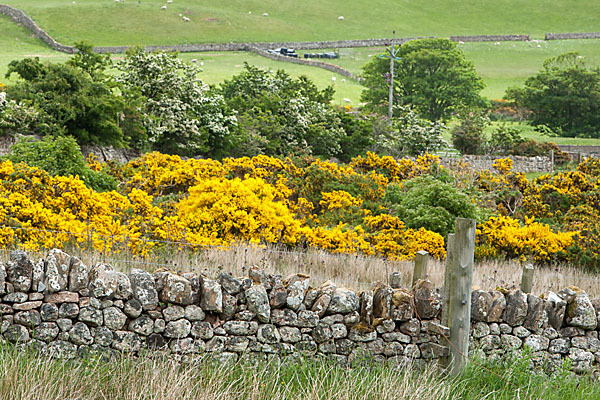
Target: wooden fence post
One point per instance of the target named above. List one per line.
(447, 279)
(420, 270)
(461, 260)
(527, 278)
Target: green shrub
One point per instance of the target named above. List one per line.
(430, 203)
(60, 156)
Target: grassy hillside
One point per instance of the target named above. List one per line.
(105, 22)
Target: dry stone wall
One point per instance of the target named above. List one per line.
(63, 309)
(520, 164)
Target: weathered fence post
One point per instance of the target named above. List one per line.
(457, 293)
(420, 270)
(447, 279)
(527, 278)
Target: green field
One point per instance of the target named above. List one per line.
(104, 22)
(143, 22)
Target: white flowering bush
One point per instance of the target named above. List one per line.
(180, 113)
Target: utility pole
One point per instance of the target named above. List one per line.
(392, 55)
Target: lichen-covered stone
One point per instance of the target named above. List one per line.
(258, 302)
(194, 313)
(297, 285)
(537, 317)
(114, 318)
(241, 328)
(516, 308)
(268, 333)
(91, 316)
(16, 297)
(64, 324)
(103, 281)
(80, 334)
(124, 290)
(290, 334)
(580, 312)
(173, 313)
(38, 276)
(202, 330)
(16, 334)
(56, 271)
(68, 310)
(537, 343)
(176, 290)
(142, 325)
(496, 308)
(19, 271)
(510, 342)
(229, 284)
(480, 329)
(61, 349)
(126, 341)
(411, 327)
(144, 288)
(366, 307)
(481, 302)
(78, 275)
(555, 309)
(46, 332)
(49, 312)
(428, 302)
(29, 318)
(322, 333)
(432, 350)
(216, 344)
(132, 308)
(559, 345)
(178, 329)
(212, 296)
(196, 284)
(2, 279)
(343, 301)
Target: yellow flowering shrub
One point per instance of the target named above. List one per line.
(323, 204)
(221, 211)
(504, 236)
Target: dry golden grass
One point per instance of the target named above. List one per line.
(353, 271)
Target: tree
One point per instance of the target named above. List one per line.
(280, 115)
(411, 135)
(71, 101)
(180, 113)
(563, 96)
(432, 76)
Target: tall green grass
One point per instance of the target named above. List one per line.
(25, 375)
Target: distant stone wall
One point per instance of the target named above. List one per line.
(327, 66)
(583, 149)
(520, 164)
(21, 18)
(562, 36)
(62, 308)
(490, 38)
